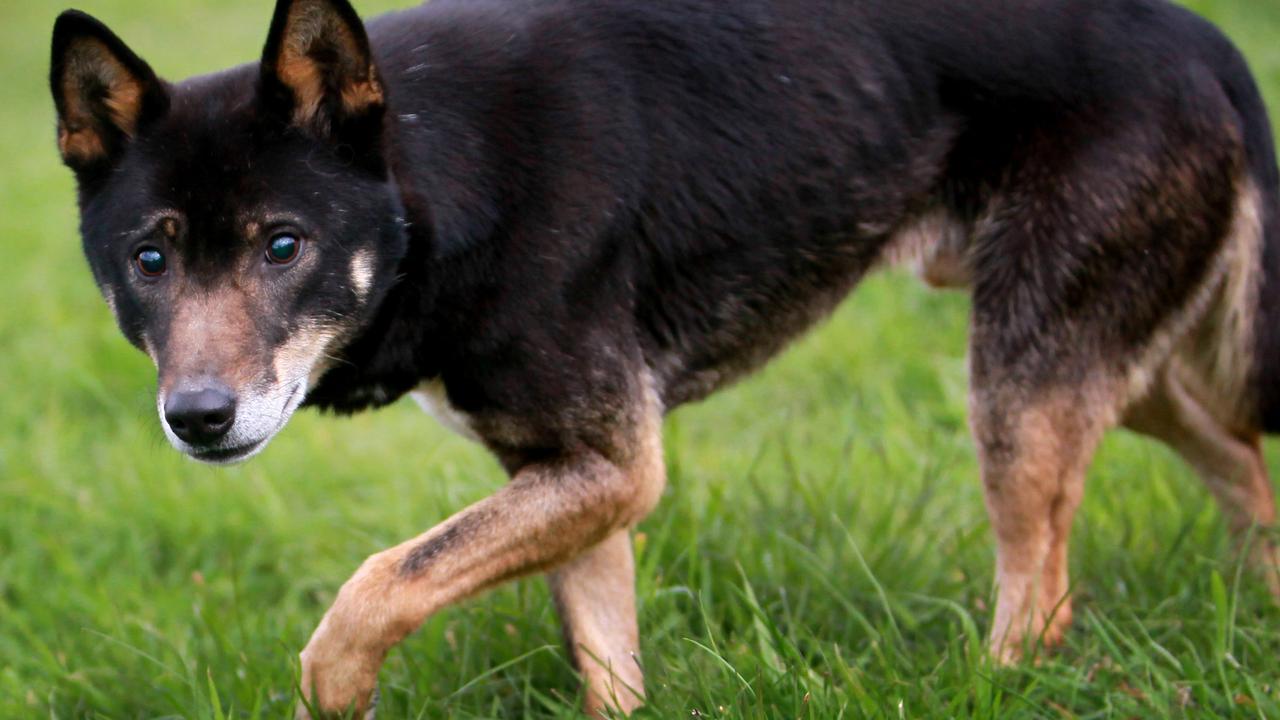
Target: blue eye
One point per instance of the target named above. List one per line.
(283, 248)
(150, 262)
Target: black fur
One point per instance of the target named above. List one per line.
(685, 178)
(688, 184)
(590, 186)
(567, 210)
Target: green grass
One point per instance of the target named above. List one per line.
(822, 550)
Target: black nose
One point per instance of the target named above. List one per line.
(201, 417)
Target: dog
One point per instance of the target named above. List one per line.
(553, 221)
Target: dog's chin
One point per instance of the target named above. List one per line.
(226, 456)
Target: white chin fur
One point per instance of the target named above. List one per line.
(258, 419)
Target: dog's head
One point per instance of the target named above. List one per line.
(242, 226)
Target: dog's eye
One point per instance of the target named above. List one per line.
(150, 262)
(283, 248)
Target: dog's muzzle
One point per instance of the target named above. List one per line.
(209, 422)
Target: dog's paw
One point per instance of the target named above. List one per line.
(303, 714)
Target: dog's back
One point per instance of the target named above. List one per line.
(738, 167)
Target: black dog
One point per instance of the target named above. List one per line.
(555, 220)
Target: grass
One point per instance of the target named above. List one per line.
(822, 551)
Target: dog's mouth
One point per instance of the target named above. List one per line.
(228, 456)
(256, 424)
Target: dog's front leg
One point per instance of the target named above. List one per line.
(548, 514)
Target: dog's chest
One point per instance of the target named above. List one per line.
(431, 397)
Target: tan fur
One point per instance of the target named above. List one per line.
(210, 335)
(1231, 465)
(298, 356)
(1211, 336)
(303, 77)
(595, 594)
(935, 248)
(90, 66)
(309, 24)
(124, 103)
(362, 94)
(549, 514)
(1217, 353)
(109, 294)
(150, 349)
(434, 400)
(80, 145)
(361, 273)
(1034, 452)
(1186, 389)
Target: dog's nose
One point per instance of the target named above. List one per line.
(201, 417)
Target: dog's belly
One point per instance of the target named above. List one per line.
(935, 248)
(751, 326)
(432, 398)
(701, 343)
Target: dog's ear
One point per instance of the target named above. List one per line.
(317, 66)
(104, 93)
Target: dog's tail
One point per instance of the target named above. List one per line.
(1238, 82)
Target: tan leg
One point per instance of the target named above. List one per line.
(548, 514)
(595, 594)
(1055, 583)
(1230, 464)
(1034, 450)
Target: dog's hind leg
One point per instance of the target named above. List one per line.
(1229, 462)
(595, 595)
(1034, 447)
(1093, 255)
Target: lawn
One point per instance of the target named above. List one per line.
(822, 549)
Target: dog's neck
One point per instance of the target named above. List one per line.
(415, 328)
